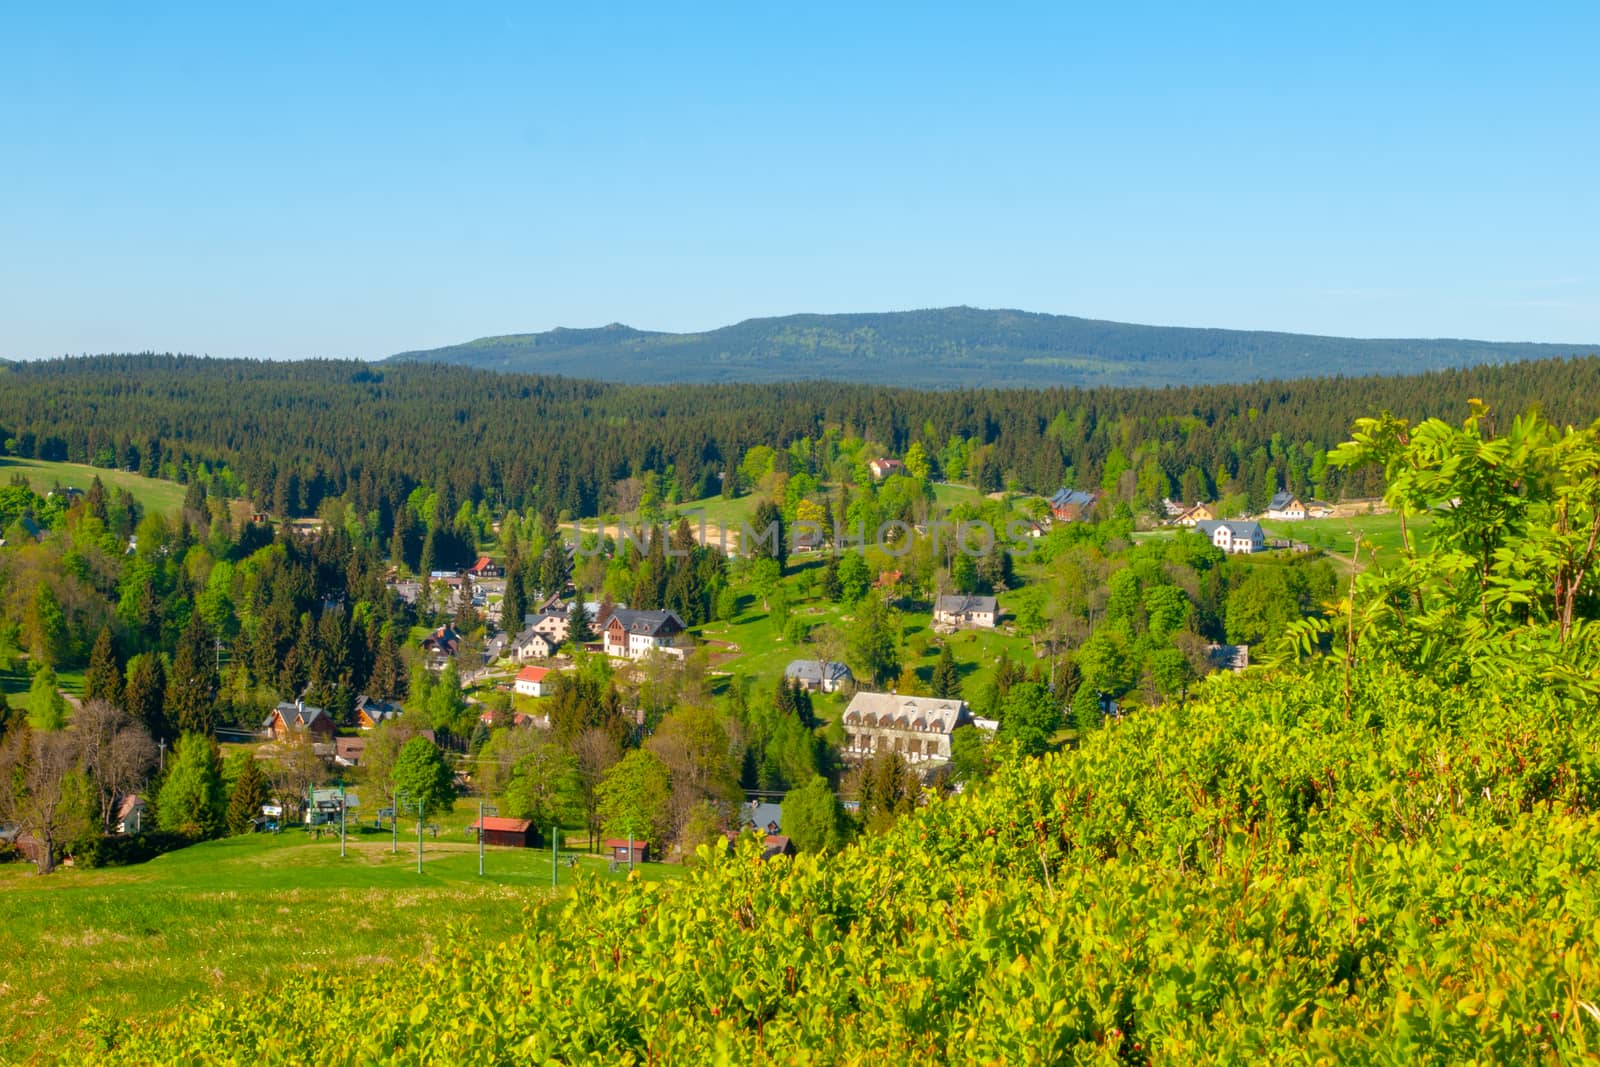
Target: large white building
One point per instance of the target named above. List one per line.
(635, 634)
(918, 728)
(1233, 535)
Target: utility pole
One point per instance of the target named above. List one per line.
(483, 809)
(555, 854)
(394, 820)
(419, 838)
(341, 818)
(162, 745)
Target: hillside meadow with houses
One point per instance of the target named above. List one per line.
(625, 697)
(488, 702)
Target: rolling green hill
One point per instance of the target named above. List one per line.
(963, 346)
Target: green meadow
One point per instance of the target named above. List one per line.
(247, 914)
(154, 494)
(1379, 535)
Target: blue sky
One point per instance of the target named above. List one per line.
(303, 181)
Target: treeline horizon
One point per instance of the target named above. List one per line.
(292, 435)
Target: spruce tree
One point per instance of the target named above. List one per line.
(832, 588)
(146, 694)
(249, 794)
(192, 688)
(103, 680)
(783, 703)
(514, 603)
(579, 629)
(946, 681)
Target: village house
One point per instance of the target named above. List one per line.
(1286, 506)
(1201, 512)
(370, 712)
(761, 815)
(288, 720)
(530, 681)
(129, 814)
(1072, 505)
(635, 634)
(881, 468)
(955, 612)
(1235, 535)
(918, 728)
(553, 624)
(814, 675)
(440, 646)
(484, 567)
(347, 751)
(531, 644)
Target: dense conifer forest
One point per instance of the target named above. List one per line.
(295, 434)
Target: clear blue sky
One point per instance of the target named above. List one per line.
(294, 180)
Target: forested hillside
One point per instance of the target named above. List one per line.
(293, 435)
(965, 347)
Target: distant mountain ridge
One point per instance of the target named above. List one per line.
(964, 346)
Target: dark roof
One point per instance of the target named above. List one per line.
(1065, 497)
(964, 605)
(761, 814)
(650, 623)
(810, 670)
(1280, 500)
(293, 714)
(1240, 529)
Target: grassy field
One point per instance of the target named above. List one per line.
(244, 914)
(153, 494)
(1338, 536)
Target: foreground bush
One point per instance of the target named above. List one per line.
(1256, 877)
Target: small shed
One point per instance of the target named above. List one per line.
(618, 847)
(512, 833)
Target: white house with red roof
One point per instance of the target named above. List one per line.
(531, 681)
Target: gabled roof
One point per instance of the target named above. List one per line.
(810, 670)
(1282, 500)
(295, 714)
(128, 804)
(647, 623)
(965, 605)
(500, 822)
(761, 814)
(1237, 528)
(532, 674)
(1066, 497)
